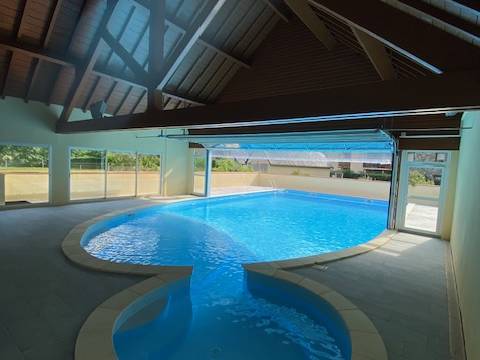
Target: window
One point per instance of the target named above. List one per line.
(26, 170)
(199, 171)
(87, 174)
(99, 174)
(148, 176)
(121, 175)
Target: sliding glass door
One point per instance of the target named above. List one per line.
(422, 191)
(100, 174)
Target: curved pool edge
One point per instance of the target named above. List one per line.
(373, 244)
(366, 341)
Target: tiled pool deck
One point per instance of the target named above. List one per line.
(45, 298)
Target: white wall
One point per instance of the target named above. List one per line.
(465, 239)
(34, 123)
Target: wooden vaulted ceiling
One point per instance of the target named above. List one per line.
(45, 44)
(77, 52)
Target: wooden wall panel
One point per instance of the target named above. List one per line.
(292, 60)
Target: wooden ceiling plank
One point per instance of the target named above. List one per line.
(444, 16)
(120, 34)
(206, 16)
(89, 98)
(46, 39)
(306, 14)
(377, 54)
(122, 102)
(83, 71)
(421, 96)
(138, 102)
(17, 33)
(277, 9)
(423, 43)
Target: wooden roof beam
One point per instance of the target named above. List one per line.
(206, 16)
(407, 123)
(318, 28)
(421, 96)
(377, 54)
(415, 39)
(83, 71)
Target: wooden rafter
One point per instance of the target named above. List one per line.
(206, 16)
(377, 54)
(126, 57)
(83, 71)
(306, 14)
(422, 96)
(202, 41)
(415, 39)
(156, 53)
(209, 44)
(44, 55)
(46, 39)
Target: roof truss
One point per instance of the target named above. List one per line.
(427, 95)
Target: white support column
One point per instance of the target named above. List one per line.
(2, 189)
(208, 173)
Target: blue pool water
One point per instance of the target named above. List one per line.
(223, 318)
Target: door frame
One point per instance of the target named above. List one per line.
(403, 190)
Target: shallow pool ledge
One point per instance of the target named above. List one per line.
(95, 339)
(366, 342)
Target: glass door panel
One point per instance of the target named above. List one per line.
(121, 168)
(423, 198)
(422, 191)
(199, 171)
(87, 174)
(148, 177)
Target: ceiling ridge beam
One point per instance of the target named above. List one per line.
(377, 54)
(454, 92)
(204, 18)
(83, 71)
(305, 13)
